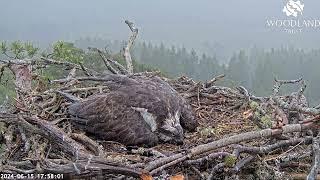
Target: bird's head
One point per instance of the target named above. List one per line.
(170, 130)
(167, 127)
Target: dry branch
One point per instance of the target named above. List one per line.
(110, 63)
(130, 42)
(268, 148)
(316, 159)
(213, 80)
(69, 65)
(166, 162)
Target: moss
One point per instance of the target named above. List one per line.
(230, 161)
(2, 127)
(2, 149)
(257, 114)
(254, 105)
(207, 132)
(266, 121)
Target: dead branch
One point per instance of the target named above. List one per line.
(316, 159)
(208, 158)
(215, 169)
(130, 42)
(194, 169)
(213, 80)
(110, 63)
(85, 167)
(89, 143)
(55, 134)
(244, 161)
(68, 65)
(268, 148)
(86, 162)
(249, 136)
(106, 62)
(294, 107)
(160, 164)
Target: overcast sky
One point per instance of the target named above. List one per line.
(233, 23)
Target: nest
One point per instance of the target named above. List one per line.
(239, 136)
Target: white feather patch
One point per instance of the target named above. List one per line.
(149, 118)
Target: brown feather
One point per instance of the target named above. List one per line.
(112, 116)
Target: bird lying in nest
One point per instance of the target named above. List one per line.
(139, 111)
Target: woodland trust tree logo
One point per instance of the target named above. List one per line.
(293, 9)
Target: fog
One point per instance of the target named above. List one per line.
(206, 25)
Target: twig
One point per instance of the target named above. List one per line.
(24, 139)
(316, 159)
(213, 80)
(109, 61)
(85, 70)
(148, 152)
(240, 164)
(201, 176)
(288, 81)
(279, 83)
(106, 62)
(208, 158)
(69, 64)
(85, 89)
(302, 89)
(266, 149)
(94, 168)
(69, 97)
(93, 146)
(215, 169)
(298, 108)
(295, 107)
(161, 168)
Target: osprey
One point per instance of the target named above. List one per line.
(137, 111)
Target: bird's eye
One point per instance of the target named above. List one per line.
(166, 132)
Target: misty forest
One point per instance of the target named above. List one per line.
(151, 91)
(254, 68)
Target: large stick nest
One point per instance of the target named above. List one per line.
(239, 135)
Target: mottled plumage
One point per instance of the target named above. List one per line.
(138, 111)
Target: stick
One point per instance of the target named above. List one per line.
(294, 107)
(242, 163)
(106, 62)
(215, 169)
(85, 162)
(89, 143)
(213, 80)
(127, 54)
(316, 159)
(210, 157)
(109, 61)
(68, 64)
(268, 148)
(248, 136)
